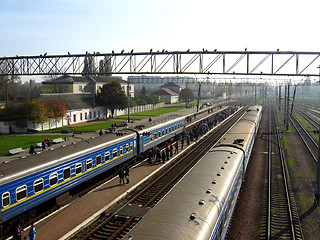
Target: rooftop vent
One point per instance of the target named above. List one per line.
(238, 141)
(193, 216)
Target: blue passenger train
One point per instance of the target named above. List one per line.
(29, 182)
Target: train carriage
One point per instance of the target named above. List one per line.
(201, 204)
(24, 185)
(150, 137)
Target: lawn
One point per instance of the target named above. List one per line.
(86, 127)
(160, 111)
(15, 141)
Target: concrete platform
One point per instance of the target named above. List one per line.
(74, 216)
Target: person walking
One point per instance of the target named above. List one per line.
(163, 156)
(150, 155)
(121, 176)
(32, 232)
(176, 146)
(158, 155)
(167, 153)
(32, 150)
(126, 173)
(171, 150)
(17, 235)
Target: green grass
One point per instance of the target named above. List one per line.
(160, 111)
(85, 128)
(132, 117)
(13, 141)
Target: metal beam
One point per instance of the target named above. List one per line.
(177, 62)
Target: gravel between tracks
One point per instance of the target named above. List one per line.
(245, 223)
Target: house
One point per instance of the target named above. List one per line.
(167, 95)
(81, 84)
(175, 87)
(79, 108)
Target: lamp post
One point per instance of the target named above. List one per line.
(128, 95)
(317, 190)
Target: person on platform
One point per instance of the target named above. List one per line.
(32, 150)
(17, 235)
(126, 173)
(32, 232)
(121, 176)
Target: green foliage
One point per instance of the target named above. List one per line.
(37, 111)
(84, 128)
(143, 100)
(13, 141)
(111, 96)
(144, 91)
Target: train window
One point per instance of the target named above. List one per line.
(78, 168)
(131, 145)
(166, 130)
(151, 138)
(5, 199)
(53, 179)
(38, 185)
(89, 164)
(21, 192)
(155, 136)
(162, 132)
(98, 160)
(107, 156)
(159, 134)
(127, 147)
(114, 153)
(169, 129)
(66, 173)
(121, 150)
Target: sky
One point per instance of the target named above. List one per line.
(33, 27)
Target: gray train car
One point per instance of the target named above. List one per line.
(201, 204)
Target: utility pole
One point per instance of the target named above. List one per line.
(279, 97)
(255, 93)
(287, 108)
(128, 95)
(317, 190)
(285, 104)
(199, 92)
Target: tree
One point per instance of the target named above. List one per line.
(144, 91)
(186, 95)
(89, 66)
(105, 66)
(7, 85)
(55, 109)
(111, 96)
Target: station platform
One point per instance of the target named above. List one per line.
(77, 214)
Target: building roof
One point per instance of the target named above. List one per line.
(84, 79)
(165, 92)
(72, 101)
(171, 84)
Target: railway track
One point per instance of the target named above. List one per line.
(307, 139)
(282, 217)
(310, 119)
(119, 220)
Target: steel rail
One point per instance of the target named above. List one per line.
(293, 119)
